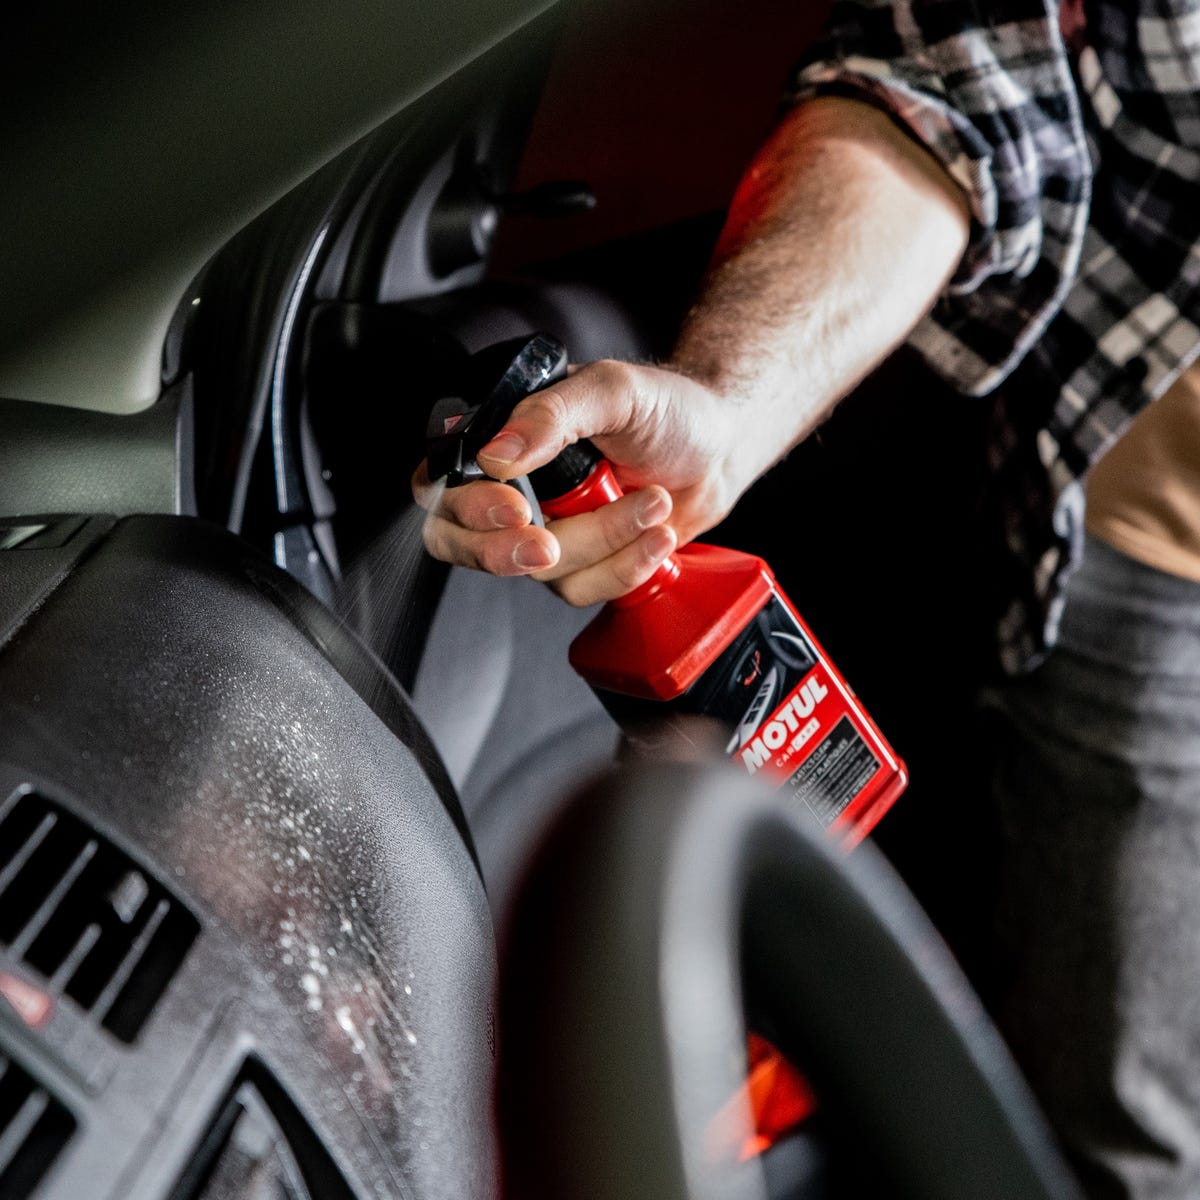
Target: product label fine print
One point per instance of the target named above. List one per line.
(794, 720)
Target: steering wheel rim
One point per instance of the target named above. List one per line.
(664, 896)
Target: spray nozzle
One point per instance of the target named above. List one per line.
(494, 382)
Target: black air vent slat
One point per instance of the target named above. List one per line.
(151, 973)
(34, 1128)
(81, 914)
(128, 964)
(47, 908)
(69, 965)
(17, 1132)
(23, 850)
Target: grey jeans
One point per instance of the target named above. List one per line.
(1098, 794)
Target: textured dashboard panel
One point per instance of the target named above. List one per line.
(210, 719)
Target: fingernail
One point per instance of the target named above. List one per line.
(504, 449)
(532, 555)
(652, 509)
(506, 516)
(658, 543)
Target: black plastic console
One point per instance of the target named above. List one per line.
(243, 937)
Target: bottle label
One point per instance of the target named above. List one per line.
(793, 719)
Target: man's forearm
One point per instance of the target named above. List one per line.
(840, 237)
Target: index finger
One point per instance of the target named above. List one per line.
(422, 488)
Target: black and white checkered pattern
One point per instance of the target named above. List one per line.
(1078, 301)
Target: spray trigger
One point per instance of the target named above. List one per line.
(494, 381)
(522, 484)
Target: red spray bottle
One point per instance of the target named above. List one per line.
(709, 634)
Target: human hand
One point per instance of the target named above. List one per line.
(674, 444)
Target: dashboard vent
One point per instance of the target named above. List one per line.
(259, 1145)
(34, 1128)
(85, 916)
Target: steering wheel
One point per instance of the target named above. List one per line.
(669, 900)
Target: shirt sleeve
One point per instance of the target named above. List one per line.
(996, 105)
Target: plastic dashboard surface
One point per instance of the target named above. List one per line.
(239, 766)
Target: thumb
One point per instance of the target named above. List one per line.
(599, 398)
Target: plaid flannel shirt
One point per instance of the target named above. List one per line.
(1078, 300)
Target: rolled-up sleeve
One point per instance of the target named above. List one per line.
(996, 105)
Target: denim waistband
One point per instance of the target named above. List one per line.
(1122, 612)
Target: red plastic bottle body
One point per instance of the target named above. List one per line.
(711, 634)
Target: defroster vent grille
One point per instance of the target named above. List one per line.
(34, 1128)
(84, 916)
